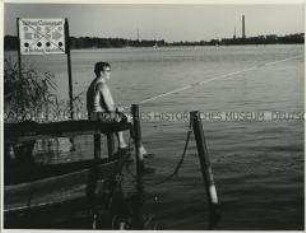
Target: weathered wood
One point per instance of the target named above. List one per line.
(97, 146)
(31, 130)
(205, 164)
(67, 40)
(47, 194)
(110, 144)
(137, 138)
(18, 50)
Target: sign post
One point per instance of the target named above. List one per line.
(42, 37)
(69, 67)
(18, 50)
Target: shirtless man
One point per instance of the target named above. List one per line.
(100, 100)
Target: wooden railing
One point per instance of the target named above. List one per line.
(63, 187)
(25, 131)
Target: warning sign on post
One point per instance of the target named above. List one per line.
(42, 36)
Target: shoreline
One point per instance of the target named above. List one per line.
(174, 47)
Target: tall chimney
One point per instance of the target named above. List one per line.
(234, 36)
(243, 26)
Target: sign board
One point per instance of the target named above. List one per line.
(42, 36)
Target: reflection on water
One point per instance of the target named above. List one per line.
(258, 166)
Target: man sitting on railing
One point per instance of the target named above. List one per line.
(100, 100)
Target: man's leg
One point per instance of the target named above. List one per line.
(122, 144)
(121, 141)
(142, 150)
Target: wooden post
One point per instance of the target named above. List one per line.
(205, 166)
(67, 39)
(18, 50)
(110, 145)
(97, 146)
(137, 203)
(137, 221)
(67, 49)
(137, 138)
(93, 179)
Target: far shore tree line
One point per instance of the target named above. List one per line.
(11, 42)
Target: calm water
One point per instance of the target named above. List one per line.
(258, 166)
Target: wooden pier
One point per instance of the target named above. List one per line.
(34, 193)
(35, 196)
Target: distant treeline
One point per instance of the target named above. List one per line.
(297, 38)
(10, 42)
(87, 42)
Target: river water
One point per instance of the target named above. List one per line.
(252, 101)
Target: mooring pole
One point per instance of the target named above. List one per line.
(137, 138)
(93, 178)
(110, 145)
(97, 146)
(205, 167)
(137, 221)
(67, 39)
(18, 49)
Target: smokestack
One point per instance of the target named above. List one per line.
(234, 36)
(138, 34)
(243, 26)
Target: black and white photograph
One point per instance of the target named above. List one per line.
(153, 116)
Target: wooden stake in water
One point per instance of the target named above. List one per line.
(137, 138)
(110, 145)
(205, 167)
(97, 146)
(137, 221)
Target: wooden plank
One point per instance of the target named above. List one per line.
(32, 130)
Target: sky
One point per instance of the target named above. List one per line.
(168, 22)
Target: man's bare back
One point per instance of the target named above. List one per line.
(100, 100)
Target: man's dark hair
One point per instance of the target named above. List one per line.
(101, 66)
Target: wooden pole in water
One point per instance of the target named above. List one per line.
(205, 166)
(137, 221)
(110, 145)
(97, 146)
(137, 138)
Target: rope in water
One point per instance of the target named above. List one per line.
(177, 167)
(226, 76)
(220, 77)
(179, 164)
(215, 78)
